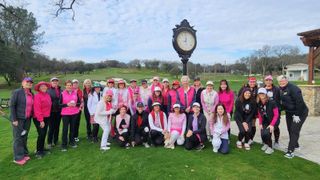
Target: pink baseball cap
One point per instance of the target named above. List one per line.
(269, 77)
(109, 93)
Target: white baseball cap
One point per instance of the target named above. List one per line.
(156, 104)
(157, 89)
(75, 81)
(176, 106)
(262, 91)
(196, 104)
(209, 83)
(165, 80)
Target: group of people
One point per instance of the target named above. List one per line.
(160, 114)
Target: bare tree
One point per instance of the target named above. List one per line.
(64, 6)
(284, 54)
(263, 56)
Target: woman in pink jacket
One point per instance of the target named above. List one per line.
(186, 95)
(226, 97)
(42, 109)
(209, 101)
(173, 95)
(70, 103)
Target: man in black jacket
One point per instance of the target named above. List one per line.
(139, 127)
(55, 116)
(296, 111)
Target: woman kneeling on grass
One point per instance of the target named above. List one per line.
(103, 117)
(139, 127)
(42, 109)
(268, 114)
(176, 126)
(122, 127)
(158, 125)
(244, 113)
(219, 129)
(196, 130)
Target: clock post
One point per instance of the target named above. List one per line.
(184, 41)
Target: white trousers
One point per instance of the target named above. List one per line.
(175, 136)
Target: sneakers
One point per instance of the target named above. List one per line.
(170, 146)
(20, 162)
(269, 150)
(127, 146)
(27, 158)
(76, 139)
(104, 148)
(250, 142)
(215, 150)
(146, 145)
(74, 145)
(200, 147)
(49, 146)
(276, 145)
(264, 147)
(63, 149)
(239, 144)
(39, 155)
(289, 155)
(247, 146)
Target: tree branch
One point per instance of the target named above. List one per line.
(62, 7)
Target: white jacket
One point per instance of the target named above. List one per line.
(102, 116)
(93, 100)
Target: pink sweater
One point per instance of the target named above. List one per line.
(177, 123)
(42, 106)
(227, 99)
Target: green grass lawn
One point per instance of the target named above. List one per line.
(88, 162)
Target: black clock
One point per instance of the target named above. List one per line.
(184, 41)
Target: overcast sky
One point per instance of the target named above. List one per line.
(129, 29)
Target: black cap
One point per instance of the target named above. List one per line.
(144, 81)
(140, 104)
(196, 78)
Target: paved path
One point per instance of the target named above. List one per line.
(309, 140)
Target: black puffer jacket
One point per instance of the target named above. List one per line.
(18, 104)
(292, 100)
(134, 128)
(202, 121)
(55, 100)
(245, 111)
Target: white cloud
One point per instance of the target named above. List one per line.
(128, 29)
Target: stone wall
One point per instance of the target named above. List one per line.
(311, 95)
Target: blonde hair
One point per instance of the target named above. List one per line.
(86, 81)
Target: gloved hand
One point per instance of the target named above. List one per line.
(124, 131)
(296, 119)
(146, 129)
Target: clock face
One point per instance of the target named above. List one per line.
(185, 41)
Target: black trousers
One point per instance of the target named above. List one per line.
(42, 132)
(157, 138)
(266, 135)
(77, 125)
(95, 130)
(68, 124)
(87, 117)
(20, 143)
(141, 137)
(54, 126)
(244, 134)
(125, 137)
(192, 142)
(294, 129)
(276, 131)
